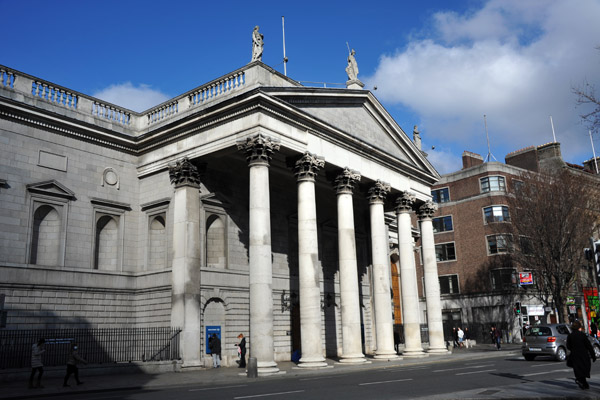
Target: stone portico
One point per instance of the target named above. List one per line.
(252, 203)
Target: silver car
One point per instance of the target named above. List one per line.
(550, 340)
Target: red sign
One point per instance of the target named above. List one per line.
(525, 278)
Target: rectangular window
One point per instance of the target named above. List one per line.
(493, 184)
(442, 224)
(498, 244)
(496, 214)
(445, 252)
(441, 195)
(449, 284)
(503, 278)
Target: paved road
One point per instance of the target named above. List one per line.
(509, 376)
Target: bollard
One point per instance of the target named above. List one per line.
(252, 368)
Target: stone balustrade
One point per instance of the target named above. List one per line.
(216, 88)
(18, 85)
(53, 94)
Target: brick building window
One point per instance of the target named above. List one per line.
(498, 244)
(445, 252)
(496, 214)
(442, 224)
(449, 284)
(503, 278)
(441, 195)
(492, 184)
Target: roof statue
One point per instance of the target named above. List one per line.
(352, 68)
(417, 137)
(352, 72)
(257, 44)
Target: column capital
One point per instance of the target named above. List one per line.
(184, 173)
(307, 167)
(378, 192)
(427, 209)
(405, 202)
(258, 148)
(344, 182)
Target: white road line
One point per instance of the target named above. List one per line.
(543, 365)
(548, 372)
(476, 372)
(322, 377)
(454, 369)
(268, 394)
(377, 383)
(215, 388)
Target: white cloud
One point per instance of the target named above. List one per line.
(127, 95)
(512, 60)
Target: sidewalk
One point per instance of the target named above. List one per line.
(138, 381)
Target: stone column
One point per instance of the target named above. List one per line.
(305, 170)
(185, 304)
(259, 150)
(351, 330)
(384, 325)
(432, 283)
(408, 278)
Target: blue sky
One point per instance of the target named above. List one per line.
(441, 65)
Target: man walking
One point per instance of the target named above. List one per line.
(215, 349)
(36, 363)
(74, 359)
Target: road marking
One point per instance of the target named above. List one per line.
(215, 388)
(548, 372)
(543, 365)
(268, 394)
(377, 383)
(476, 372)
(322, 377)
(454, 369)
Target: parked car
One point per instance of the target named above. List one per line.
(550, 340)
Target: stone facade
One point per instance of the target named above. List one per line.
(110, 217)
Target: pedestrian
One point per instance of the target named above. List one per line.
(37, 349)
(498, 336)
(461, 337)
(455, 337)
(594, 328)
(581, 352)
(493, 335)
(467, 337)
(74, 359)
(242, 350)
(214, 344)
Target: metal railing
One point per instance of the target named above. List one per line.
(97, 346)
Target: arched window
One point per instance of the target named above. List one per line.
(215, 242)
(107, 243)
(46, 238)
(157, 243)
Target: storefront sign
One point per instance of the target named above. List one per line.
(525, 278)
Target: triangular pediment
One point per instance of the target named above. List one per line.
(51, 188)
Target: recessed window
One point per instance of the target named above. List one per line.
(496, 214)
(441, 195)
(445, 252)
(498, 244)
(442, 224)
(449, 284)
(493, 184)
(503, 278)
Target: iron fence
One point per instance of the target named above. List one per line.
(97, 346)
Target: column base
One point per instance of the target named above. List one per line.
(353, 359)
(312, 362)
(386, 356)
(416, 353)
(438, 350)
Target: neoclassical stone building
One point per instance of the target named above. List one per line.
(251, 203)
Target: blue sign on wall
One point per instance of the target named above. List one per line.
(210, 330)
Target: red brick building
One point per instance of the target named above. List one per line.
(479, 285)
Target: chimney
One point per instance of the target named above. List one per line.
(526, 158)
(471, 159)
(592, 165)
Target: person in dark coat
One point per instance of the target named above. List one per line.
(455, 337)
(581, 352)
(594, 328)
(74, 359)
(214, 345)
(242, 350)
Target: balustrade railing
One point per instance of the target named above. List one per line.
(111, 113)
(7, 78)
(60, 96)
(53, 94)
